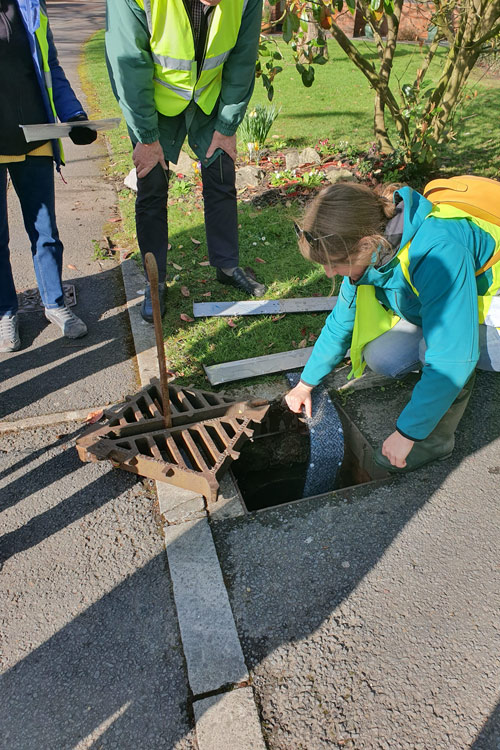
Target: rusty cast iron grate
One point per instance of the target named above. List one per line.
(206, 432)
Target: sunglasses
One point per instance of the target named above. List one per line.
(308, 236)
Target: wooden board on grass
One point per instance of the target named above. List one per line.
(263, 307)
(255, 366)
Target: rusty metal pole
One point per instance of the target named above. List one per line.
(152, 271)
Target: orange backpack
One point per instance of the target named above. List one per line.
(477, 196)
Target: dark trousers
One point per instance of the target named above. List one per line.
(220, 208)
(33, 181)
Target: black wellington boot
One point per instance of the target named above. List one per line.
(440, 443)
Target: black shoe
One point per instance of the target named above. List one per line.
(240, 280)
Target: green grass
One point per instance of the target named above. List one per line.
(339, 106)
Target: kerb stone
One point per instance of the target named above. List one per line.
(228, 722)
(211, 646)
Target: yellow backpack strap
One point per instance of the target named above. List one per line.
(371, 321)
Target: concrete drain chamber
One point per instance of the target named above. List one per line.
(294, 458)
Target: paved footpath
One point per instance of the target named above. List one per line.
(368, 622)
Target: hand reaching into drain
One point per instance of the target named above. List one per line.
(300, 397)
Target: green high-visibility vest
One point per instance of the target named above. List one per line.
(372, 319)
(43, 43)
(177, 80)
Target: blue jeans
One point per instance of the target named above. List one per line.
(402, 349)
(33, 181)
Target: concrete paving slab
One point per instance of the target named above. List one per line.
(228, 721)
(373, 622)
(211, 646)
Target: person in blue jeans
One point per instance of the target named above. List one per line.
(33, 90)
(421, 290)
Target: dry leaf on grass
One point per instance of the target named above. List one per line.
(204, 263)
(206, 294)
(231, 323)
(259, 260)
(274, 318)
(177, 266)
(195, 241)
(302, 344)
(185, 291)
(186, 318)
(118, 218)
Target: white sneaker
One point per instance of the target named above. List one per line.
(71, 326)
(9, 333)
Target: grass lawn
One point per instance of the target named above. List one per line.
(339, 106)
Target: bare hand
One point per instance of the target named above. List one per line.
(146, 156)
(226, 142)
(299, 397)
(396, 449)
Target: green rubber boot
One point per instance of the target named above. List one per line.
(440, 443)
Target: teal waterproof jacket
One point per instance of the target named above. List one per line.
(444, 256)
(131, 71)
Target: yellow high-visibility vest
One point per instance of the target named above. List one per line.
(177, 80)
(372, 319)
(43, 43)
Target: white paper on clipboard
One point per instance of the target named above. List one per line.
(47, 131)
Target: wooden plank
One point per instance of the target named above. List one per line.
(254, 366)
(263, 307)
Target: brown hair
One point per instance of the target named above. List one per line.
(345, 224)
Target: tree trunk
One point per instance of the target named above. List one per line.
(379, 127)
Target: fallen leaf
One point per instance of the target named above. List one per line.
(270, 345)
(231, 323)
(126, 254)
(177, 267)
(195, 241)
(169, 246)
(184, 291)
(73, 268)
(94, 416)
(207, 294)
(312, 336)
(186, 318)
(204, 263)
(180, 247)
(259, 260)
(274, 318)
(113, 221)
(303, 331)
(294, 344)
(302, 344)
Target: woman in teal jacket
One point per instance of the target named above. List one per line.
(409, 298)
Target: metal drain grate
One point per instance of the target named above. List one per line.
(29, 300)
(207, 430)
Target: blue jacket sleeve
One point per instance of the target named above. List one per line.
(65, 101)
(335, 338)
(444, 276)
